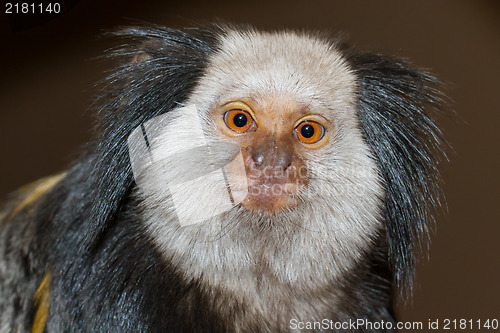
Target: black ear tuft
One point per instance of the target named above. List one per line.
(395, 110)
(160, 68)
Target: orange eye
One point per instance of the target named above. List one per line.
(238, 120)
(309, 132)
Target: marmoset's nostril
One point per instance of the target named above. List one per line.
(284, 161)
(270, 155)
(258, 157)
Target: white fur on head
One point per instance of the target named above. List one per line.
(287, 263)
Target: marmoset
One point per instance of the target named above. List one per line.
(239, 181)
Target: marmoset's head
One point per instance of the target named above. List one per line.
(288, 102)
(286, 105)
(266, 137)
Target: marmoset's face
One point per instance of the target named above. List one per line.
(286, 105)
(289, 103)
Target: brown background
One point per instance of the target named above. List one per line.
(47, 73)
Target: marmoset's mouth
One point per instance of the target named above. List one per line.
(271, 197)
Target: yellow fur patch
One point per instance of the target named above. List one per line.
(34, 192)
(42, 304)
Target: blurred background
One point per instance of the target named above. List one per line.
(49, 66)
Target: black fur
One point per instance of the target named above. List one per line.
(107, 275)
(394, 102)
(140, 90)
